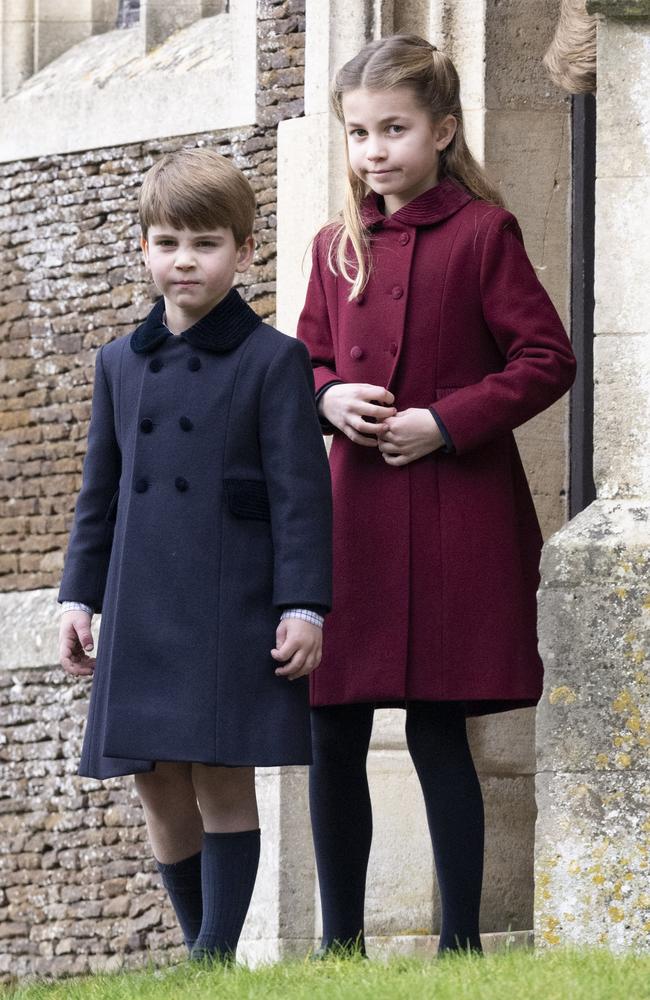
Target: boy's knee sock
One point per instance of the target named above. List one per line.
(437, 739)
(182, 880)
(229, 864)
(341, 816)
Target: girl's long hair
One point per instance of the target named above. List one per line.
(390, 62)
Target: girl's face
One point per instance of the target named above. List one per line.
(393, 145)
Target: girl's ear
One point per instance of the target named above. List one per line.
(245, 254)
(144, 246)
(445, 132)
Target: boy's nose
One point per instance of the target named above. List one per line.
(184, 259)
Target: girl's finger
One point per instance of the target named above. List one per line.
(365, 442)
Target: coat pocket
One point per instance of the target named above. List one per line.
(111, 513)
(248, 498)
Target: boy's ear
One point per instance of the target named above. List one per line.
(245, 254)
(144, 246)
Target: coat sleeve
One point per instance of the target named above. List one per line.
(298, 481)
(314, 328)
(539, 363)
(89, 548)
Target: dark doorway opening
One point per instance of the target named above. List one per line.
(582, 490)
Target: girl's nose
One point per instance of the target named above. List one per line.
(375, 151)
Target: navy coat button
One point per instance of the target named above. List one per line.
(181, 484)
(194, 363)
(404, 238)
(155, 365)
(146, 425)
(356, 353)
(186, 424)
(393, 348)
(141, 486)
(397, 292)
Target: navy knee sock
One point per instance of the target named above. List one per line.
(437, 740)
(182, 880)
(229, 863)
(341, 817)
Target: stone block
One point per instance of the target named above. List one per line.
(503, 745)
(623, 140)
(591, 861)
(622, 289)
(517, 35)
(400, 886)
(622, 413)
(595, 640)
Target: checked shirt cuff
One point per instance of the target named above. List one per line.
(309, 616)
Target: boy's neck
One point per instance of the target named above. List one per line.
(178, 320)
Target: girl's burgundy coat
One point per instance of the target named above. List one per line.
(436, 562)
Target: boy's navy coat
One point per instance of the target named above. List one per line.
(204, 510)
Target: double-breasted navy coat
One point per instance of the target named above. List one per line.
(204, 510)
(436, 562)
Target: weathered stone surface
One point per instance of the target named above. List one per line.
(593, 831)
(591, 866)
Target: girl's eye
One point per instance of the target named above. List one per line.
(358, 132)
(395, 129)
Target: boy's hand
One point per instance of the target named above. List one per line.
(298, 646)
(75, 641)
(408, 436)
(358, 410)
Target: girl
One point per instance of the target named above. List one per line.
(431, 339)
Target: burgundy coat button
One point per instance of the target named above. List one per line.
(356, 353)
(404, 238)
(397, 292)
(393, 348)
(360, 299)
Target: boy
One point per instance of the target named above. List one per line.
(203, 518)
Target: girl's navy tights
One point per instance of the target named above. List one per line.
(342, 816)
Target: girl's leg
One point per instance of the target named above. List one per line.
(230, 856)
(341, 817)
(437, 740)
(175, 832)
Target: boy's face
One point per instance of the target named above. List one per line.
(193, 270)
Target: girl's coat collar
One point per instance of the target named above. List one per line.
(432, 206)
(223, 329)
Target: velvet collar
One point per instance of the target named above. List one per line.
(223, 329)
(434, 205)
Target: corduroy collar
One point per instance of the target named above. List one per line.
(434, 205)
(222, 329)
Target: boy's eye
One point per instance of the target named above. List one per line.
(165, 243)
(206, 243)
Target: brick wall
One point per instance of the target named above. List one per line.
(71, 279)
(78, 891)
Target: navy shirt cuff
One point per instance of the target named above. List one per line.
(449, 448)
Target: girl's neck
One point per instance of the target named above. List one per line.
(393, 202)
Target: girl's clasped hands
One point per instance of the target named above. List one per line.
(367, 415)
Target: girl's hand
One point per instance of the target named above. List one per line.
(298, 647)
(409, 435)
(75, 641)
(348, 405)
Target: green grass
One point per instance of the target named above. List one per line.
(518, 975)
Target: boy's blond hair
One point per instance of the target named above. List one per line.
(197, 189)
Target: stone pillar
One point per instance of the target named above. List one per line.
(16, 43)
(593, 731)
(518, 125)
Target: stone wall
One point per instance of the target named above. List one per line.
(71, 279)
(78, 890)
